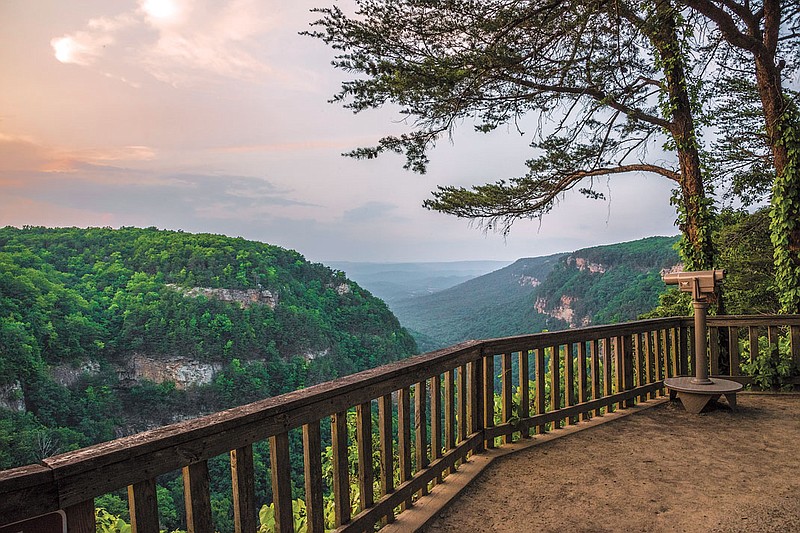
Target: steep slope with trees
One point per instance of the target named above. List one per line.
(599, 285)
(91, 319)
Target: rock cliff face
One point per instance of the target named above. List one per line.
(182, 371)
(563, 311)
(243, 297)
(11, 397)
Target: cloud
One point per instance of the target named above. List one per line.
(370, 212)
(178, 42)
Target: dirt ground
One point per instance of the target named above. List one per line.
(659, 470)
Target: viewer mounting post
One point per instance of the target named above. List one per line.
(696, 392)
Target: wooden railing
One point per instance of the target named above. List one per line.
(446, 399)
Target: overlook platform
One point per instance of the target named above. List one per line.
(660, 469)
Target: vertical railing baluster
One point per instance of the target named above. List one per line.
(684, 351)
(80, 518)
(641, 363)
(583, 381)
(752, 333)
(197, 498)
(449, 412)
(421, 428)
(555, 382)
(541, 399)
(665, 349)
(243, 481)
(676, 363)
(794, 339)
(506, 383)
(366, 476)
(713, 345)
(488, 396)
(312, 468)
(619, 367)
(463, 403)
(649, 364)
(659, 361)
(436, 420)
(626, 347)
(569, 380)
(404, 437)
(281, 482)
(733, 351)
(594, 353)
(387, 448)
(524, 391)
(476, 399)
(772, 339)
(143, 506)
(341, 475)
(608, 385)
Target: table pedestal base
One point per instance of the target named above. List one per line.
(695, 397)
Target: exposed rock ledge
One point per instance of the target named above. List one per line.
(244, 297)
(183, 371)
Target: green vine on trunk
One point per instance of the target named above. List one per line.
(785, 213)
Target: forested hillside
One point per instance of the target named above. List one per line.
(93, 321)
(494, 305)
(598, 285)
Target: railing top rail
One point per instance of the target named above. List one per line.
(753, 320)
(550, 338)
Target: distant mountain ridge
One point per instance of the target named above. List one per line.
(597, 285)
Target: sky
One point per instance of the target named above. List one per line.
(210, 116)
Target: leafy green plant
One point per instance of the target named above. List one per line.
(773, 365)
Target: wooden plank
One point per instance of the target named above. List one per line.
(608, 385)
(713, 345)
(476, 399)
(551, 416)
(280, 465)
(436, 419)
(366, 476)
(641, 362)
(143, 506)
(627, 367)
(649, 363)
(733, 351)
(658, 358)
(360, 523)
(449, 410)
(752, 333)
(754, 320)
(387, 449)
(463, 402)
(569, 380)
(197, 497)
(676, 359)
(80, 517)
(404, 437)
(243, 480)
(541, 399)
(26, 492)
(555, 382)
(524, 388)
(341, 477)
(594, 354)
(772, 338)
(506, 387)
(421, 427)
(488, 395)
(664, 343)
(312, 459)
(583, 380)
(683, 337)
(794, 337)
(619, 367)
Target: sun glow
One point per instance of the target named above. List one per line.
(160, 9)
